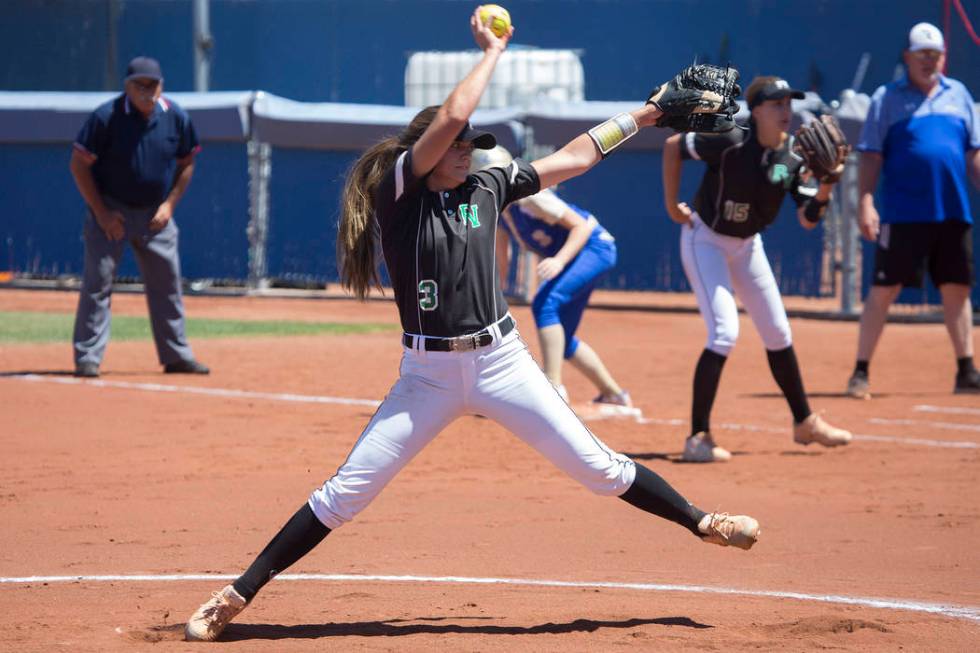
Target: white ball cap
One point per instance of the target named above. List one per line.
(926, 36)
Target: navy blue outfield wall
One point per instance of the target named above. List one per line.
(305, 198)
(41, 221)
(304, 207)
(42, 231)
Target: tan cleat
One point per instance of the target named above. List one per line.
(815, 429)
(206, 624)
(859, 387)
(729, 530)
(701, 448)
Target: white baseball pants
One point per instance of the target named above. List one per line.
(500, 381)
(719, 267)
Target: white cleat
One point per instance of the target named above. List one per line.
(859, 387)
(729, 530)
(701, 448)
(206, 624)
(619, 405)
(815, 429)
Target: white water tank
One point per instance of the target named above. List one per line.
(522, 75)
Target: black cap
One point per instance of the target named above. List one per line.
(144, 67)
(775, 90)
(481, 140)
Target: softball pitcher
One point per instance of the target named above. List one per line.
(575, 253)
(462, 353)
(749, 172)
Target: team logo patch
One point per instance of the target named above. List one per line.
(470, 212)
(779, 174)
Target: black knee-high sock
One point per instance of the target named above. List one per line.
(786, 371)
(297, 538)
(653, 494)
(707, 375)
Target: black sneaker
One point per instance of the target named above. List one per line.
(968, 383)
(87, 370)
(186, 367)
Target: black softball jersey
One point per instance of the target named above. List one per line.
(745, 183)
(439, 246)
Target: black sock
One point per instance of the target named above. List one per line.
(786, 371)
(297, 538)
(707, 375)
(964, 366)
(653, 494)
(861, 367)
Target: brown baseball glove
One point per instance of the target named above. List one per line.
(823, 147)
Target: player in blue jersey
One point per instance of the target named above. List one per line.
(922, 137)
(575, 252)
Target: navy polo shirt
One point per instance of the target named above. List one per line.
(923, 142)
(135, 158)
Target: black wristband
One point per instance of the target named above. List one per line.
(814, 210)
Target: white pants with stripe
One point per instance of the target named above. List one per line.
(500, 381)
(720, 267)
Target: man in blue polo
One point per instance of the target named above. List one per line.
(132, 162)
(922, 136)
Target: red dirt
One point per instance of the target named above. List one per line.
(108, 480)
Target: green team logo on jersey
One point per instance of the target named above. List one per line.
(779, 174)
(470, 212)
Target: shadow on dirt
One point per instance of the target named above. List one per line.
(402, 627)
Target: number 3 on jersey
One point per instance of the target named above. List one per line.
(428, 295)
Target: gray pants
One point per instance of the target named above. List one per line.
(156, 254)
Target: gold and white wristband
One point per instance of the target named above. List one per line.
(614, 132)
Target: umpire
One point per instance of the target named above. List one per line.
(132, 162)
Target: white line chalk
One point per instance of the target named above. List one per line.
(947, 610)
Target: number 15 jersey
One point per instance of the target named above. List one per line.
(745, 183)
(439, 246)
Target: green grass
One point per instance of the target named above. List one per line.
(57, 327)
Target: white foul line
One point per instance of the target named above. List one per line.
(952, 426)
(946, 610)
(318, 399)
(213, 392)
(952, 410)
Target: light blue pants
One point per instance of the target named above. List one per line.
(156, 255)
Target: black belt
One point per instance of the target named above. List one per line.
(133, 207)
(461, 343)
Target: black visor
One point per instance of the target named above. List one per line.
(778, 90)
(481, 140)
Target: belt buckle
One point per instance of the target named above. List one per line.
(464, 343)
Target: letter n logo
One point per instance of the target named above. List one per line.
(470, 212)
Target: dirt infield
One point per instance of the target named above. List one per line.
(137, 476)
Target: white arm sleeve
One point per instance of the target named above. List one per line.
(545, 206)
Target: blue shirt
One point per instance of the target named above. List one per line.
(923, 142)
(533, 222)
(135, 158)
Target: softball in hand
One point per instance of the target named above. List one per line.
(500, 24)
